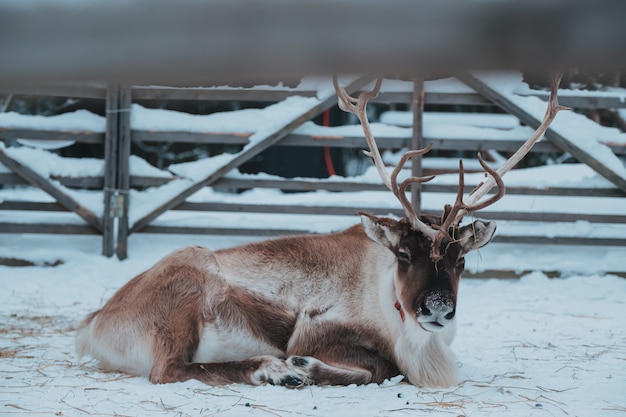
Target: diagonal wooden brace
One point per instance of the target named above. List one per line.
(61, 197)
(251, 151)
(552, 134)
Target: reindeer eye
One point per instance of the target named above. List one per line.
(403, 256)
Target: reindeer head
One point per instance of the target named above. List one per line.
(425, 288)
(429, 251)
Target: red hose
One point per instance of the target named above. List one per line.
(327, 157)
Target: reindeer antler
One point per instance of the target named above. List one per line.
(358, 107)
(452, 215)
(484, 187)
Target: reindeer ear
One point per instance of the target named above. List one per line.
(476, 235)
(381, 230)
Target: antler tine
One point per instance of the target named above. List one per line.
(450, 212)
(351, 104)
(357, 106)
(495, 177)
(400, 189)
(405, 158)
(499, 183)
(452, 216)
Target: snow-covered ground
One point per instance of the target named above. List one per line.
(534, 346)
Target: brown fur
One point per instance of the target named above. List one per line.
(294, 310)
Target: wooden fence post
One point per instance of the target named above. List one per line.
(110, 169)
(417, 140)
(123, 173)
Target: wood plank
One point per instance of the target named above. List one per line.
(465, 144)
(138, 182)
(190, 137)
(312, 185)
(274, 95)
(95, 183)
(219, 231)
(226, 231)
(46, 228)
(217, 94)
(552, 134)
(544, 240)
(72, 90)
(60, 196)
(249, 152)
(349, 211)
(284, 209)
(340, 141)
(584, 100)
(31, 206)
(60, 135)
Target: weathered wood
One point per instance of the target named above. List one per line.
(553, 217)
(41, 182)
(221, 231)
(270, 94)
(248, 153)
(585, 101)
(316, 184)
(82, 137)
(351, 186)
(94, 183)
(110, 170)
(551, 134)
(123, 174)
(338, 141)
(560, 240)
(30, 206)
(547, 191)
(236, 231)
(217, 94)
(349, 211)
(74, 90)
(385, 142)
(46, 228)
(285, 209)
(273, 95)
(190, 137)
(417, 141)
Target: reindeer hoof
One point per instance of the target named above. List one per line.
(291, 381)
(299, 361)
(275, 371)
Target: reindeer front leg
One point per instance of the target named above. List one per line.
(321, 373)
(258, 370)
(340, 356)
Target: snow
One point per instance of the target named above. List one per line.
(243, 121)
(583, 132)
(79, 120)
(535, 346)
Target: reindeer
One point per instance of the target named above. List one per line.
(354, 307)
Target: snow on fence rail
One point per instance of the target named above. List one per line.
(552, 204)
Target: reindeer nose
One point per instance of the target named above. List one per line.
(436, 311)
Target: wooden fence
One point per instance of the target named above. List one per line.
(116, 183)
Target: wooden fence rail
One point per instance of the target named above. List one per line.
(116, 182)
